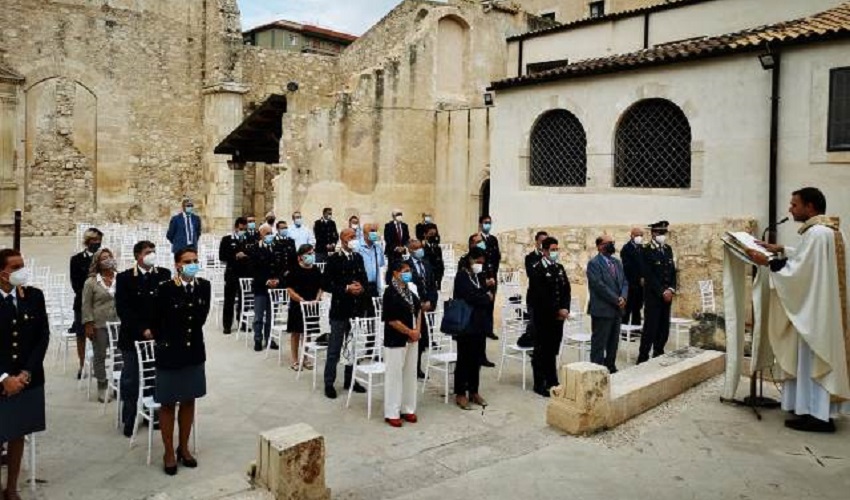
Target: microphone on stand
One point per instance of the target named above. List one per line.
(772, 227)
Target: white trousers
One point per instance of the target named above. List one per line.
(400, 380)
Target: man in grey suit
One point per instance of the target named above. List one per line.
(608, 288)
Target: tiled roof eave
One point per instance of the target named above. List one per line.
(660, 56)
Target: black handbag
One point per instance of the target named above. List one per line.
(457, 316)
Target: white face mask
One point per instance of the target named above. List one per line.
(398, 218)
(298, 221)
(638, 240)
(477, 268)
(353, 244)
(661, 238)
(149, 259)
(355, 226)
(20, 277)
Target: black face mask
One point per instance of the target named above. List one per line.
(609, 248)
(93, 247)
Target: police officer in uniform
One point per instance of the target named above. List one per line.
(631, 264)
(549, 300)
(326, 235)
(135, 301)
(658, 270)
(531, 259)
(182, 307)
(284, 248)
(24, 336)
(233, 252)
(434, 254)
(268, 274)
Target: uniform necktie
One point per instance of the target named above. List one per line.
(11, 301)
(189, 289)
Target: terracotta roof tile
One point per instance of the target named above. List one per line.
(830, 24)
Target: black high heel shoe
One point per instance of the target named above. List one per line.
(190, 463)
(170, 470)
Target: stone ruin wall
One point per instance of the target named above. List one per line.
(113, 104)
(267, 72)
(697, 249)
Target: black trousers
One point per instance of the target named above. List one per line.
(634, 304)
(470, 351)
(656, 328)
(547, 344)
(604, 341)
(231, 299)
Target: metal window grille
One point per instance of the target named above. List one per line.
(653, 147)
(839, 110)
(558, 150)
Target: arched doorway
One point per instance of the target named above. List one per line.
(484, 197)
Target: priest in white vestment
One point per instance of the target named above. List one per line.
(808, 316)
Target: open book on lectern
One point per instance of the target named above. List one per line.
(740, 242)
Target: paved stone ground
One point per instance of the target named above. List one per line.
(690, 447)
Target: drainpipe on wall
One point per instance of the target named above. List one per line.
(774, 147)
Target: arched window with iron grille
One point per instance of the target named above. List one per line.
(558, 150)
(653, 146)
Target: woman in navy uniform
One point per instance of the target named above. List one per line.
(24, 335)
(182, 308)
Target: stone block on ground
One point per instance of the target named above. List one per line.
(589, 399)
(291, 463)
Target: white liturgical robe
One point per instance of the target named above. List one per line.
(808, 321)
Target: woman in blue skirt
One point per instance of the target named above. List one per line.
(24, 334)
(182, 308)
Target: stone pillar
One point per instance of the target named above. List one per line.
(8, 125)
(222, 114)
(291, 463)
(580, 404)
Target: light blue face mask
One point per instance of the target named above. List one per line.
(374, 236)
(407, 277)
(419, 253)
(486, 227)
(309, 259)
(190, 210)
(191, 270)
(283, 233)
(481, 245)
(269, 239)
(554, 256)
(252, 225)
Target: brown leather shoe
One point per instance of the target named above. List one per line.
(477, 399)
(463, 403)
(394, 422)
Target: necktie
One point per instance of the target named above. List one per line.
(189, 229)
(11, 301)
(612, 268)
(189, 289)
(398, 230)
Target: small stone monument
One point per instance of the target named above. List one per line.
(580, 404)
(291, 463)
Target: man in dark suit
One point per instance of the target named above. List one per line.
(434, 254)
(631, 264)
(233, 252)
(476, 240)
(345, 279)
(658, 270)
(135, 301)
(396, 234)
(326, 235)
(426, 287)
(268, 274)
(184, 230)
(494, 255)
(79, 273)
(24, 337)
(530, 260)
(422, 227)
(549, 298)
(608, 288)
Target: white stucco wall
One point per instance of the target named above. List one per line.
(627, 35)
(727, 103)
